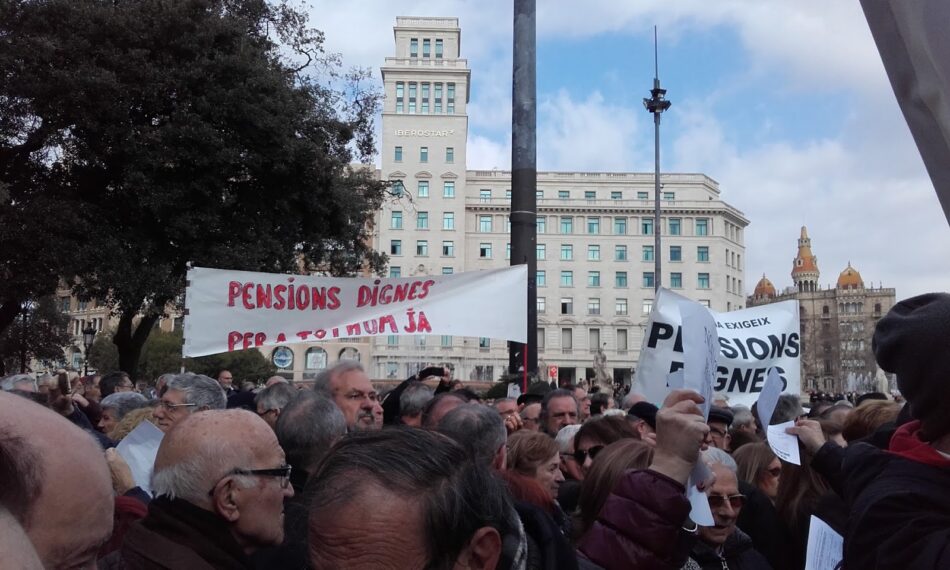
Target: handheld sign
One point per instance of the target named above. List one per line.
(784, 445)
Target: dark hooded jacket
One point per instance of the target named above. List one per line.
(737, 554)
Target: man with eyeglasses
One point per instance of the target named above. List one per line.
(349, 387)
(719, 421)
(723, 545)
(220, 481)
(184, 395)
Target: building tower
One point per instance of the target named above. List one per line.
(805, 265)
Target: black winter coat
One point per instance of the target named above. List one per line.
(737, 554)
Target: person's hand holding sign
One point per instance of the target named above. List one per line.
(680, 433)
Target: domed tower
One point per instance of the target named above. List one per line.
(850, 278)
(805, 266)
(763, 289)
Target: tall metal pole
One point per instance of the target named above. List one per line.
(524, 175)
(656, 105)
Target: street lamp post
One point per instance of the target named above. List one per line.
(656, 104)
(88, 337)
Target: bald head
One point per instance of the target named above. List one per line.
(37, 447)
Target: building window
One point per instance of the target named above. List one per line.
(567, 339)
(447, 271)
(438, 49)
(593, 225)
(422, 248)
(590, 194)
(484, 224)
(567, 279)
(398, 154)
(622, 340)
(702, 226)
(648, 279)
(424, 154)
(423, 189)
(702, 281)
(400, 95)
(620, 253)
(567, 305)
(541, 304)
(448, 221)
(676, 253)
(702, 253)
(425, 99)
(448, 249)
(438, 97)
(448, 189)
(540, 278)
(669, 196)
(422, 221)
(675, 226)
(484, 195)
(676, 280)
(593, 253)
(563, 194)
(392, 340)
(593, 278)
(616, 195)
(395, 271)
(620, 307)
(450, 98)
(621, 279)
(593, 339)
(567, 225)
(449, 155)
(484, 343)
(647, 307)
(643, 195)
(707, 304)
(446, 341)
(540, 251)
(396, 221)
(542, 224)
(646, 227)
(620, 226)
(508, 194)
(593, 306)
(426, 48)
(395, 247)
(540, 338)
(647, 253)
(414, 47)
(412, 97)
(484, 251)
(567, 252)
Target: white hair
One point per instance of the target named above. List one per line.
(13, 382)
(192, 478)
(713, 456)
(614, 412)
(565, 437)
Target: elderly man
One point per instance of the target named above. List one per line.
(275, 380)
(349, 387)
(184, 395)
(436, 408)
(583, 401)
(558, 409)
(37, 449)
(720, 419)
(630, 399)
(220, 481)
(481, 431)
(21, 382)
(272, 400)
(115, 406)
(112, 382)
(409, 498)
(724, 545)
(412, 400)
(642, 416)
(226, 381)
(531, 416)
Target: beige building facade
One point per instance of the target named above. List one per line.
(595, 243)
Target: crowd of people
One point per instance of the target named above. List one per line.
(431, 475)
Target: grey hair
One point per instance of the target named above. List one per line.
(788, 408)
(191, 478)
(713, 455)
(276, 396)
(307, 428)
(628, 400)
(11, 382)
(324, 379)
(478, 428)
(198, 389)
(565, 437)
(742, 416)
(123, 403)
(414, 398)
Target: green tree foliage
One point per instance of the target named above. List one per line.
(216, 132)
(103, 354)
(245, 365)
(39, 332)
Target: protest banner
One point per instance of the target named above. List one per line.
(750, 342)
(237, 310)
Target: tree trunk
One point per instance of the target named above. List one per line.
(9, 311)
(129, 342)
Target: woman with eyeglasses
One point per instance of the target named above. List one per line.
(759, 467)
(598, 433)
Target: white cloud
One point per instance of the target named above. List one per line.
(487, 154)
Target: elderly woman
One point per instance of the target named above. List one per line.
(115, 406)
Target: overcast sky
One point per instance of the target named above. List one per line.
(785, 104)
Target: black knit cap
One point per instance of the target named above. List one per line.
(646, 412)
(913, 341)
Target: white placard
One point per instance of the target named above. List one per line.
(784, 445)
(825, 549)
(237, 310)
(700, 351)
(139, 449)
(751, 341)
(768, 398)
(514, 390)
(700, 512)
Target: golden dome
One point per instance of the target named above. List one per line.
(764, 288)
(850, 279)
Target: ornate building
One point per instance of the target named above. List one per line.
(837, 323)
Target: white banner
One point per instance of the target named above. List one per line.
(237, 310)
(750, 342)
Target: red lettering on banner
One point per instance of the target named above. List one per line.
(303, 335)
(353, 330)
(279, 291)
(424, 325)
(388, 320)
(264, 295)
(234, 289)
(246, 295)
(333, 298)
(281, 338)
(233, 338)
(259, 339)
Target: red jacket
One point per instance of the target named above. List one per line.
(641, 525)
